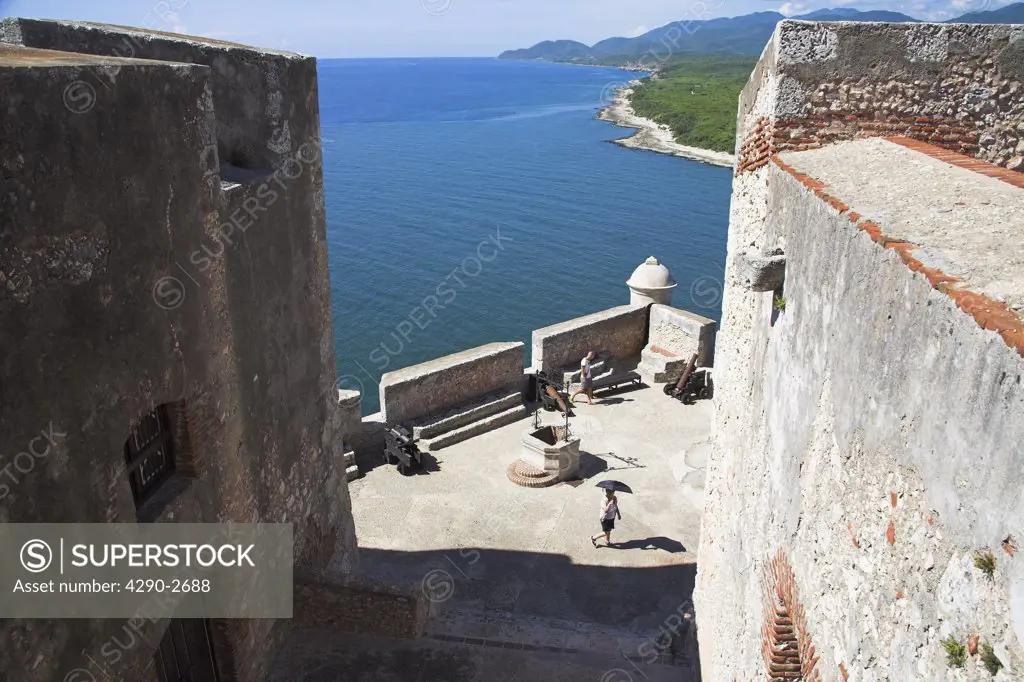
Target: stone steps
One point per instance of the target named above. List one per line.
(450, 421)
(488, 423)
(659, 368)
(527, 476)
(601, 368)
(351, 469)
(332, 655)
(597, 368)
(493, 627)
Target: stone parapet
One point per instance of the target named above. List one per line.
(437, 386)
(620, 331)
(682, 333)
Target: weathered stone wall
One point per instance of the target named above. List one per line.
(621, 331)
(868, 442)
(682, 333)
(131, 279)
(868, 438)
(434, 387)
(958, 86)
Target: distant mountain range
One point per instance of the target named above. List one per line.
(744, 35)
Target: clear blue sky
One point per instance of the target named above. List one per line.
(429, 28)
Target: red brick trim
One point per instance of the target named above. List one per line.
(757, 147)
(962, 161)
(986, 311)
(785, 640)
(662, 351)
(768, 136)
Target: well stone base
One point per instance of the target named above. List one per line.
(545, 449)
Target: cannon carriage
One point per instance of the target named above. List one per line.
(400, 448)
(694, 383)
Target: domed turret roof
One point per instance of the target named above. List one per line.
(651, 275)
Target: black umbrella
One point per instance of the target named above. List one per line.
(617, 486)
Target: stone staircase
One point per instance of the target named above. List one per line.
(659, 366)
(572, 375)
(330, 655)
(600, 368)
(434, 433)
(646, 652)
(351, 468)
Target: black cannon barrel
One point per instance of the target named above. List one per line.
(400, 434)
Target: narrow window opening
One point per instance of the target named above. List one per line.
(149, 454)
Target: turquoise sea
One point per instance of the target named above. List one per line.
(474, 200)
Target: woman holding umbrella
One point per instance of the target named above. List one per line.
(609, 510)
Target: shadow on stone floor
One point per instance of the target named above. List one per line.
(636, 599)
(664, 544)
(590, 466)
(504, 616)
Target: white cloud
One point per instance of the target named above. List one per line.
(793, 8)
(638, 31)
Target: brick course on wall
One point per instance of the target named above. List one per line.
(770, 136)
(786, 641)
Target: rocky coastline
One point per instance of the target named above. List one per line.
(652, 136)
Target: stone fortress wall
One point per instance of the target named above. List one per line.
(163, 243)
(869, 437)
(958, 86)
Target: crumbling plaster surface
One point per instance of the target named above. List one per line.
(939, 71)
(682, 332)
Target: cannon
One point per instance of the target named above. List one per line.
(549, 394)
(400, 448)
(694, 383)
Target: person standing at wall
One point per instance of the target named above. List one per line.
(586, 379)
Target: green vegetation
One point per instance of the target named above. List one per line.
(986, 563)
(696, 96)
(956, 652)
(779, 303)
(990, 660)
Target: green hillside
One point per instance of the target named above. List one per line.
(696, 97)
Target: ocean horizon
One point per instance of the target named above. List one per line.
(475, 200)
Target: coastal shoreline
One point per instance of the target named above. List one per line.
(651, 136)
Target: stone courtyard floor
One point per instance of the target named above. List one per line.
(512, 568)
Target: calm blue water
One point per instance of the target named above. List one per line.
(474, 200)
